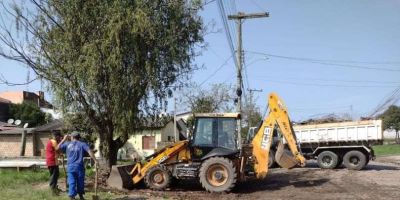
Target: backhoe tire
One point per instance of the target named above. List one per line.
(158, 178)
(218, 174)
(354, 160)
(327, 160)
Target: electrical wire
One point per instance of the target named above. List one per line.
(215, 72)
(336, 63)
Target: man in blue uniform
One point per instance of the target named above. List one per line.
(75, 150)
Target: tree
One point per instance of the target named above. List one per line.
(219, 98)
(28, 112)
(112, 61)
(251, 116)
(391, 120)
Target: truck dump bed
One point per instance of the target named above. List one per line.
(369, 131)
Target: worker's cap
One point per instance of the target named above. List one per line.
(75, 134)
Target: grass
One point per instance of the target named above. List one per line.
(23, 185)
(387, 149)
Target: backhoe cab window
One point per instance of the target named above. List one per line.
(215, 132)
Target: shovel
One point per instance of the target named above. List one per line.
(95, 196)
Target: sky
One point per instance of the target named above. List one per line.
(326, 56)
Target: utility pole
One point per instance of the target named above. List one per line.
(251, 91)
(238, 18)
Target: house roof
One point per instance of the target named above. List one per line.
(2, 100)
(16, 131)
(53, 125)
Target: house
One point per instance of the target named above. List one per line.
(154, 136)
(18, 97)
(36, 139)
(10, 142)
(4, 109)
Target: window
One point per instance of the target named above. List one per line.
(204, 132)
(215, 132)
(148, 142)
(227, 130)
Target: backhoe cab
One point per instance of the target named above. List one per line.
(213, 154)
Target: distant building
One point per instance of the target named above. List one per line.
(18, 97)
(4, 109)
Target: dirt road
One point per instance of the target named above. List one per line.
(380, 180)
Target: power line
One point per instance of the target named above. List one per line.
(332, 85)
(327, 62)
(215, 72)
(226, 27)
(258, 5)
(5, 82)
(392, 99)
(331, 80)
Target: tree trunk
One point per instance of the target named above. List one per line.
(108, 148)
(397, 139)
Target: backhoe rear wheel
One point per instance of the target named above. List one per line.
(157, 178)
(218, 174)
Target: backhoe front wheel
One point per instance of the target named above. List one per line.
(157, 178)
(218, 174)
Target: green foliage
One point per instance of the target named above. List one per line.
(28, 112)
(28, 184)
(112, 61)
(391, 118)
(218, 98)
(251, 115)
(388, 149)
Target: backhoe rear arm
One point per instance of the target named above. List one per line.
(262, 141)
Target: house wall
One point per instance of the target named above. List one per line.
(133, 147)
(4, 111)
(41, 140)
(10, 145)
(167, 133)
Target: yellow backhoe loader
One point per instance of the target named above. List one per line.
(213, 154)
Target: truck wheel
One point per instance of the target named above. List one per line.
(218, 174)
(354, 160)
(327, 160)
(157, 178)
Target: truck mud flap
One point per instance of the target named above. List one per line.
(120, 178)
(284, 157)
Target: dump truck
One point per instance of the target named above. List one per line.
(215, 155)
(335, 144)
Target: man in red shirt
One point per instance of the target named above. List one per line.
(51, 160)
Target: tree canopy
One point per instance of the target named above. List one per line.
(391, 120)
(28, 112)
(112, 61)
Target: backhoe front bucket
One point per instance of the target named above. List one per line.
(284, 157)
(120, 178)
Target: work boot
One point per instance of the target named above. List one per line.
(81, 197)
